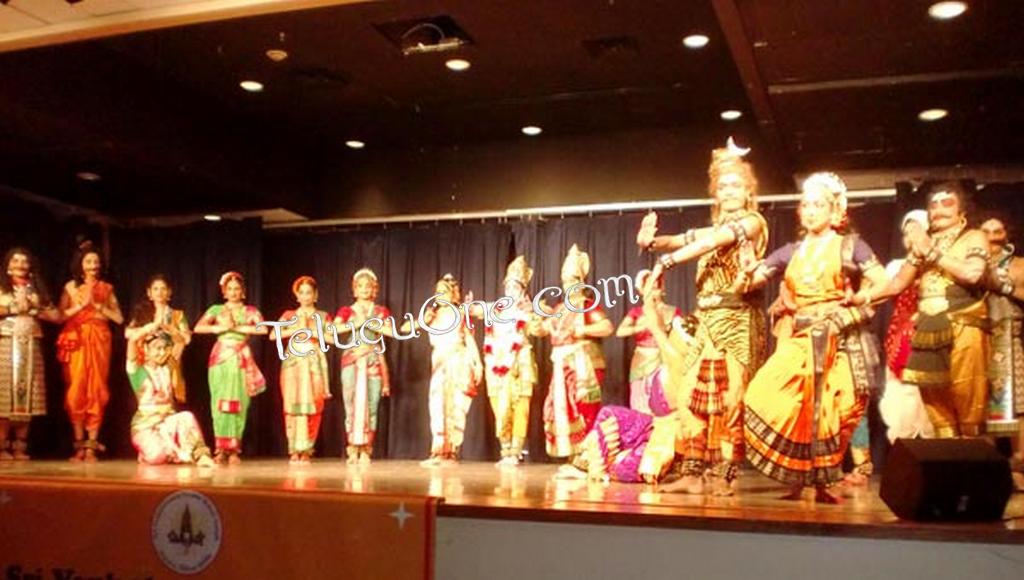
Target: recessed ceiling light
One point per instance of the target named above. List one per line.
(211, 217)
(277, 54)
(88, 176)
(457, 64)
(696, 41)
(355, 144)
(932, 114)
(731, 115)
(947, 10)
(532, 130)
(251, 86)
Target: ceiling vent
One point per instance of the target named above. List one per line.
(612, 47)
(425, 35)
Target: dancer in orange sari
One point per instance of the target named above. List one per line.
(802, 406)
(23, 303)
(83, 347)
(233, 375)
(304, 378)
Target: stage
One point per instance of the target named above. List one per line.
(464, 517)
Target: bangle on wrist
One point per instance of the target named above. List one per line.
(667, 261)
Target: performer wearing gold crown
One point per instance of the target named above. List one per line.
(23, 303)
(949, 350)
(574, 395)
(508, 361)
(305, 382)
(802, 406)
(730, 324)
(83, 346)
(232, 372)
(454, 376)
(646, 356)
(364, 371)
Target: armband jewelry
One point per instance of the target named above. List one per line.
(737, 231)
(690, 236)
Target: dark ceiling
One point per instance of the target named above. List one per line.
(834, 83)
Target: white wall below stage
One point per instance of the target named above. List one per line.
(515, 550)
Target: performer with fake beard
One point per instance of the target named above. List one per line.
(950, 348)
(574, 395)
(730, 323)
(1005, 282)
(24, 302)
(83, 346)
(803, 405)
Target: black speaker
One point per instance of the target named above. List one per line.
(946, 479)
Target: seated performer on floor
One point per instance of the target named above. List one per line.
(574, 394)
(508, 361)
(804, 403)
(731, 325)
(159, 434)
(646, 358)
(949, 350)
(629, 445)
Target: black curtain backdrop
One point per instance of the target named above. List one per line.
(408, 259)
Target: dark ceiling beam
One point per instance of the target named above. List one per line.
(742, 50)
(894, 80)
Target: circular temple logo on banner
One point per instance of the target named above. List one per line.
(186, 532)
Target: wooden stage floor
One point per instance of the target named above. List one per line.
(529, 492)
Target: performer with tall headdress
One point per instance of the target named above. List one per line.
(574, 395)
(232, 372)
(159, 434)
(949, 352)
(509, 364)
(155, 314)
(646, 356)
(802, 406)
(455, 373)
(901, 406)
(23, 303)
(83, 346)
(730, 323)
(364, 371)
(305, 381)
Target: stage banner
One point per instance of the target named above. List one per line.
(76, 529)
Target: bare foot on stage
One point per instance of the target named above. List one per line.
(822, 495)
(691, 484)
(795, 493)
